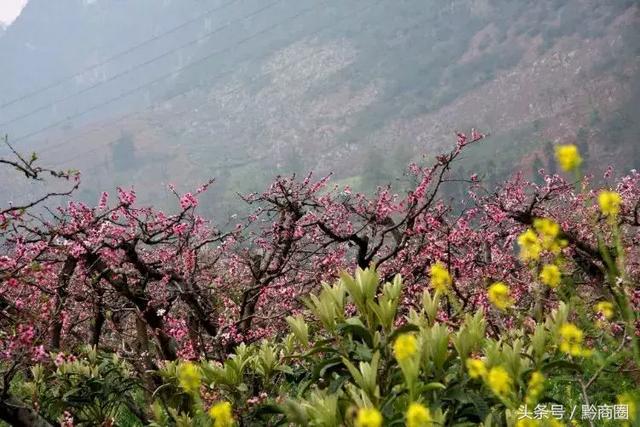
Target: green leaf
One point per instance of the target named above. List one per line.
(321, 368)
(479, 404)
(357, 330)
(269, 409)
(320, 349)
(561, 364)
(433, 386)
(362, 352)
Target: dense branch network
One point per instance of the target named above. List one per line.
(154, 286)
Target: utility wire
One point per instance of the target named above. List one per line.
(138, 66)
(116, 55)
(217, 77)
(154, 81)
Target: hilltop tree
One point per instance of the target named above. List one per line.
(123, 152)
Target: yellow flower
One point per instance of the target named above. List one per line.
(530, 246)
(405, 347)
(499, 381)
(536, 382)
(476, 368)
(571, 338)
(546, 227)
(549, 231)
(568, 157)
(189, 376)
(557, 245)
(627, 399)
(550, 275)
(606, 308)
(609, 202)
(440, 277)
(499, 295)
(418, 416)
(535, 388)
(527, 422)
(221, 414)
(368, 417)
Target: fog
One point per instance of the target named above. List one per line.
(146, 93)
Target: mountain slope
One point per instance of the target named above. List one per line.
(297, 86)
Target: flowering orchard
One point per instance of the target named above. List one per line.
(120, 314)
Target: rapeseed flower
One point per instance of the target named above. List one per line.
(499, 381)
(550, 275)
(609, 202)
(549, 232)
(189, 376)
(476, 368)
(500, 296)
(418, 416)
(440, 277)
(368, 417)
(557, 246)
(221, 414)
(629, 401)
(546, 227)
(571, 338)
(405, 347)
(530, 246)
(606, 308)
(527, 422)
(568, 157)
(534, 388)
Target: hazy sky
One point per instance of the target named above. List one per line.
(10, 9)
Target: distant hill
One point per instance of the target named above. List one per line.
(258, 88)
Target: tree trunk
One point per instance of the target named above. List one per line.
(17, 414)
(166, 343)
(98, 322)
(248, 309)
(61, 296)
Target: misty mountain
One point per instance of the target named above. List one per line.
(151, 92)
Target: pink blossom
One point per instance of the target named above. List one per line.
(187, 201)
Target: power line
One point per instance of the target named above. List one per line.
(154, 81)
(229, 92)
(138, 66)
(117, 55)
(190, 108)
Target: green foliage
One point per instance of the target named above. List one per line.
(96, 387)
(328, 368)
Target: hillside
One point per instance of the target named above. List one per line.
(297, 86)
(320, 213)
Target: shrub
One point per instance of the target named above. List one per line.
(442, 323)
(335, 368)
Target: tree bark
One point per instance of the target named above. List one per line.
(61, 296)
(98, 322)
(248, 309)
(189, 296)
(166, 344)
(17, 414)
